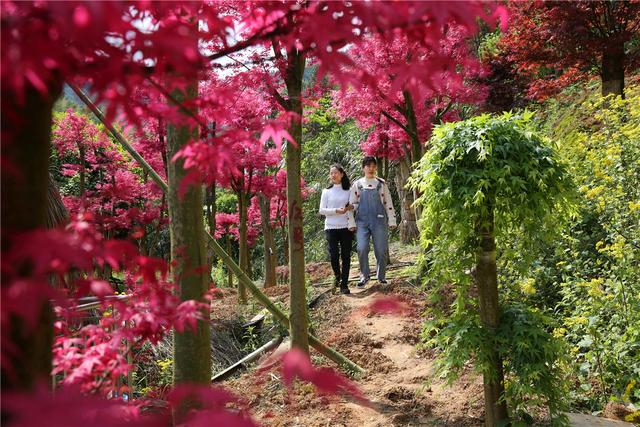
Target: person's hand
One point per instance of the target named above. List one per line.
(340, 211)
(349, 207)
(352, 229)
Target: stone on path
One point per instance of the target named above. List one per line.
(582, 420)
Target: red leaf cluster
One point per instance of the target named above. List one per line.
(553, 44)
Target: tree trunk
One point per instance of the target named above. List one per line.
(229, 272)
(210, 202)
(487, 282)
(612, 76)
(191, 349)
(297, 289)
(412, 125)
(408, 222)
(285, 249)
(410, 214)
(270, 260)
(26, 130)
(243, 202)
(211, 208)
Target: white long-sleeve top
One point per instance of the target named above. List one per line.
(332, 199)
(385, 196)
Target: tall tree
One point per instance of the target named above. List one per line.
(251, 159)
(192, 349)
(474, 182)
(110, 189)
(292, 76)
(556, 43)
(270, 255)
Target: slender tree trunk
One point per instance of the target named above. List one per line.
(487, 282)
(210, 202)
(26, 145)
(229, 272)
(211, 208)
(249, 264)
(412, 125)
(285, 240)
(297, 289)
(243, 244)
(408, 225)
(612, 76)
(192, 349)
(270, 259)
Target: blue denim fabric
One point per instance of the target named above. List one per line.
(371, 222)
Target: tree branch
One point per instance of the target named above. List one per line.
(180, 105)
(397, 122)
(255, 38)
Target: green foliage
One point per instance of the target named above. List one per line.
(533, 358)
(488, 45)
(593, 268)
(226, 201)
(494, 173)
(219, 274)
(481, 167)
(251, 339)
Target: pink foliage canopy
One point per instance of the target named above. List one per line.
(432, 100)
(132, 56)
(120, 198)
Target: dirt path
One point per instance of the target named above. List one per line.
(399, 393)
(396, 378)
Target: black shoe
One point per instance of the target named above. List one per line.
(383, 282)
(362, 283)
(345, 291)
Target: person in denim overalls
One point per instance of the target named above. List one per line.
(374, 216)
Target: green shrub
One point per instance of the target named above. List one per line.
(598, 267)
(493, 176)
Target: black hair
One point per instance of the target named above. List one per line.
(368, 160)
(346, 183)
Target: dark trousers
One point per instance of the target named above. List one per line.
(340, 242)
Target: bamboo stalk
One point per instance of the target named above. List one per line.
(323, 349)
(223, 375)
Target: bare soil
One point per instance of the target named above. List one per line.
(399, 380)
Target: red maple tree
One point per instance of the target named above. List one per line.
(556, 43)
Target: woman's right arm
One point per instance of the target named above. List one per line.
(324, 205)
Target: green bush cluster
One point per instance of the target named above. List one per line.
(569, 273)
(594, 268)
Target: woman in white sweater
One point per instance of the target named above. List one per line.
(334, 205)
